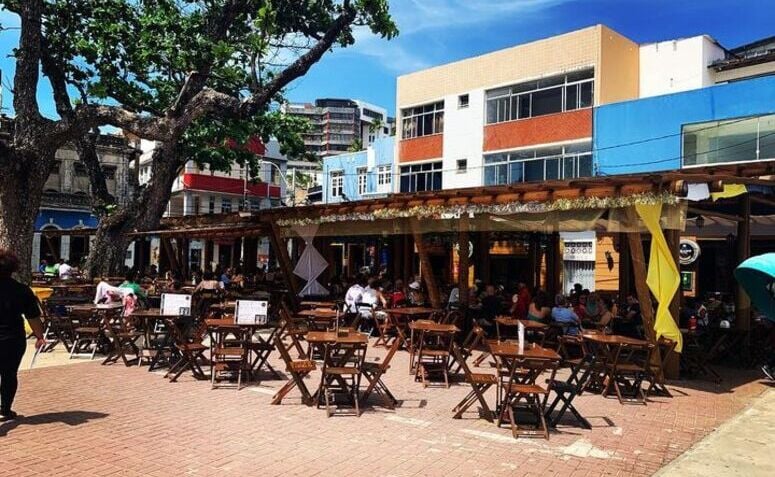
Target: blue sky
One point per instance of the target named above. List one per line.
(434, 32)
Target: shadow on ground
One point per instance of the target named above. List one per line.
(71, 418)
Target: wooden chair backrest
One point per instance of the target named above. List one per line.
(391, 352)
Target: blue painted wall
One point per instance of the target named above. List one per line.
(624, 132)
(64, 219)
(349, 164)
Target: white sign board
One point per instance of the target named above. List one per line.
(251, 312)
(175, 304)
(579, 250)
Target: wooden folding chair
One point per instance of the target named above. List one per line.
(343, 364)
(298, 369)
(528, 395)
(373, 373)
(473, 342)
(87, 333)
(628, 370)
(190, 354)
(480, 383)
(384, 326)
(434, 356)
(229, 356)
(566, 391)
(121, 339)
(657, 382)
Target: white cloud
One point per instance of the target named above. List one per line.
(416, 18)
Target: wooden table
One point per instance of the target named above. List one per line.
(424, 327)
(407, 314)
(150, 317)
(604, 352)
(323, 338)
(320, 317)
(507, 321)
(318, 304)
(510, 353)
(98, 307)
(261, 348)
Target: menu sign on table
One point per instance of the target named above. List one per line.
(175, 304)
(251, 312)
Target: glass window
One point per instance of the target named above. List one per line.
(422, 120)
(362, 180)
(550, 95)
(225, 205)
(462, 101)
(547, 101)
(462, 165)
(337, 183)
(736, 140)
(547, 163)
(421, 177)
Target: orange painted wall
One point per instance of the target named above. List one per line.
(539, 130)
(421, 148)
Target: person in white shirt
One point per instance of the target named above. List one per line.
(65, 271)
(354, 294)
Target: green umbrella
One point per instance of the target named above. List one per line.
(757, 277)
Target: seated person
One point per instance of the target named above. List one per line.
(208, 283)
(491, 306)
(539, 309)
(631, 323)
(605, 315)
(398, 297)
(563, 315)
(130, 282)
(416, 297)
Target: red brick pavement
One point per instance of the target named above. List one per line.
(91, 420)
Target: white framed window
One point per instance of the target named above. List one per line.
(384, 175)
(362, 180)
(422, 120)
(337, 183)
(462, 165)
(462, 101)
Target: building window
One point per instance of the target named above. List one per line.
(734, 140)
(211, 205)
(362, 180)
(225, 205)
(422, 120)
(337, 183)
(421, 177)
(462, 101)
(384, 175)
(462, 165)
(539, 97)
(548, 163)
(197, 205)
(80, 170)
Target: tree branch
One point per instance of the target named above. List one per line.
(25, 82)
(302, 64)
(86, 147)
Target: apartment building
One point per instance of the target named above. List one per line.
(519, 114)
(203, 191)
(366, 174)
(337, 125)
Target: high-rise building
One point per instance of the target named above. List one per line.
(336, 125)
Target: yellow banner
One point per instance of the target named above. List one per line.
(663, 278)
(730, 190)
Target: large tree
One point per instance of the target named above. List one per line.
(171, 71)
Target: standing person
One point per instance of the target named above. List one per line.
(65, 270)
(16, 303)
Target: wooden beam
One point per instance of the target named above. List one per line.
(641, 287)
(51, 249)
(426, 269)
(462, 264)
(713, 213)
(170, 253)
(278, 244)
(762, 200)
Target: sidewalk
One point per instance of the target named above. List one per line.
(744, 445)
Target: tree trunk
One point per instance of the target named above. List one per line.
(21, 180)
(142, 213)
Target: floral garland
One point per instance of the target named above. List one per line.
(509, 208)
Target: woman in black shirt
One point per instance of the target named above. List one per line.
(16, 303)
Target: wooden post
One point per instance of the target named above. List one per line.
(208, 255)
(625, 268)
(554, 265)
(742, 301)
(425, 265)
(251, 254)
(673, 237)
(51, 249)
(408, 258)
(278, 245)
(397, 255)
(170, 253)
(641, 287)
(462, 263)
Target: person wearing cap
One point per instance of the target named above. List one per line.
(416, 297)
